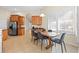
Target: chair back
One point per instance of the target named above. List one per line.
(49, 30)
(40, 36)
(34, 34)
(62, 37)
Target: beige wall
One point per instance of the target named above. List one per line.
(4, 17)
(78, 25)
(0, 40)
(78, 50)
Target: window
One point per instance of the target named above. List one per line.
(65, 23)
(52, 26)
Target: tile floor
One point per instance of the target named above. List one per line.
(23, 44)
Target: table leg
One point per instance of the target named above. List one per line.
(49, 43)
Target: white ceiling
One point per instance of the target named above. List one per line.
(55, 11)
(22, 8)
(58, 11)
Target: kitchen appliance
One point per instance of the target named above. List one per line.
(13, 28)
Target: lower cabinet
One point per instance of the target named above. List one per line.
(21, 31)
(4, 34)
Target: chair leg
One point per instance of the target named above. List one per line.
(41, 44)
(31, 38)
(55, 44)
(37, 41)
(52, 45)
(61, 48)
(34, 41)
(64, 46)
(51, 48)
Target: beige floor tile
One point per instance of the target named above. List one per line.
(23, 44)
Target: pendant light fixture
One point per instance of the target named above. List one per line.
(42, 15)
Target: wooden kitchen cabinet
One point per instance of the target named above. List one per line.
(14, 18)
(20, 23)
(21, 20)
(21, 31)
(4, 34)
(36, 20)
(39, 21)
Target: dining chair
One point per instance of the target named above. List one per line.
(60, 41)
(34, 36)
(49, 30)
(42, 38)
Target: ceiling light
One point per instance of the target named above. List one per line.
(42, 15)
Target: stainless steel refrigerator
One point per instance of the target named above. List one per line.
(13, 28)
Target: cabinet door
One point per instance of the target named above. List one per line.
(14, 18)
(21, 31)
(36, 20)
(21, 20)
(39, 21)
(5, 34)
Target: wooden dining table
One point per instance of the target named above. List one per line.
(50, 36)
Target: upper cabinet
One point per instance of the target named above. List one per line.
(18, 19)
(21, 20)
(14, 18)
(36, 20)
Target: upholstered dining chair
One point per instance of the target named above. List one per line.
(34, 36)
(42, 38)
(60, 41)
(49, 30)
